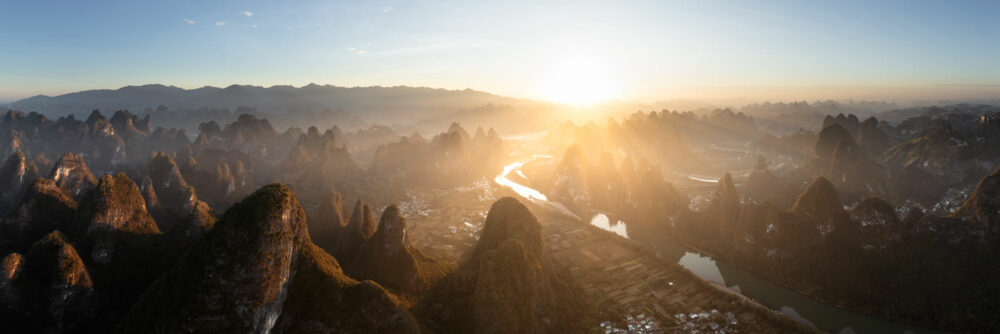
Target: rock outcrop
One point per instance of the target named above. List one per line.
(723, 212)
(327, 224)
(359, 229)
(854, 173)
(871, 138)
(389, 259)
(113, 209)
(829, 138)
(176, 198)
(72, 175)
(257, 271)
(983, 206)
(116, 204)
(820, 201)
(321, 299)
(507, 284)
(16, 175)
(45, 208)
(819, 212)
(56, 292)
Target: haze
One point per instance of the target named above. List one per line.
(571, 52)
(500, 167)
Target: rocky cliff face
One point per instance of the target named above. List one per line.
(854, 173)
(359, 229)
(983, 206)
(253, 265)
(56, 292)
(321, 299)
(724, 210)
(16, 175)
(176, 198)
(114, 207)
(850, 122)
(507, 284)
(236, 277)
(389, 258)
(509, 219)
(820, 201)
(871, 138)
(829, 138)
(45, 208)
(116, 204)
(10, 268)
(72, 175)
(327, 223)
(512, 291)
(517, 288)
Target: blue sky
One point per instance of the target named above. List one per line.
(635, 49)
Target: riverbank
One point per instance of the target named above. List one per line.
(636, 279)
(807, 307)
(814, 291)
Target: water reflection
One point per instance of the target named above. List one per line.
(797, 306)
(601, 220)
(528, 192)
(702, 266)
(524, 191)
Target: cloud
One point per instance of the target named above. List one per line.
(247, 13)
(387, 9)
(188, 21)
(220, 23)
(289, 28)
(356, 51)
(253, 26)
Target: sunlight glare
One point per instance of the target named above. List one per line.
(579, 81)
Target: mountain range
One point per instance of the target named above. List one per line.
(375, 104)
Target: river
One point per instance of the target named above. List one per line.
(800, 307)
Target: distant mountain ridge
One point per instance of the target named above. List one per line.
(375, 103)
(281, 97)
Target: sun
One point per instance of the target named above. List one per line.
(579, 81)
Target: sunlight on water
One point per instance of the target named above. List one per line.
(702, 266)
(702, 179)
(526, 192)
(798, 307)
(601, 220)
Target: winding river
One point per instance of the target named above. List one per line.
(800, 307)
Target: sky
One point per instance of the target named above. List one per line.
(565, 51)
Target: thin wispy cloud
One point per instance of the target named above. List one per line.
(247, 13)
(188, 21)
(253, 26)
(220, 23)
(356, 51)
(481, 44)
(387, 9)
